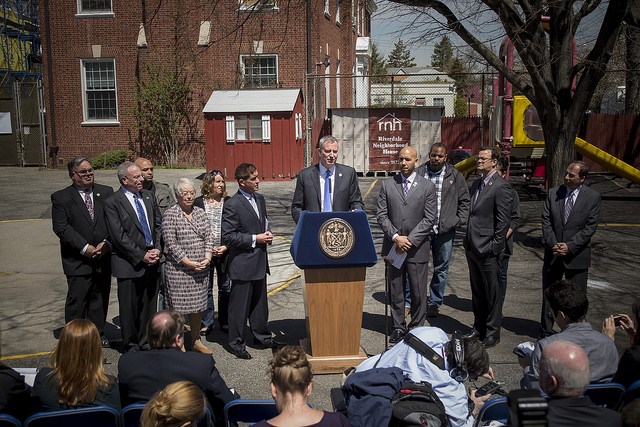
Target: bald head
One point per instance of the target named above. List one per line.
(408, 160)
(164, 329)
(146, 167)
(564, 369)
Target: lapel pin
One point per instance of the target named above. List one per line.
(450, 181)
(340, 175)
(97, 194)
(490, 182)
(414, 184)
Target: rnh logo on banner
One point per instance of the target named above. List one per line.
(389, 131)
(390, 123)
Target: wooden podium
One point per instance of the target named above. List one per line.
(334, 285)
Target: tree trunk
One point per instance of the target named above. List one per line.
(560, 149)
(632, 92)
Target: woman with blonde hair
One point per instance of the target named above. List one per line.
(77, 377)
(291, 386)
(214, 194)
(179, 404)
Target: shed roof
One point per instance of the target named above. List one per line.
(251, 101)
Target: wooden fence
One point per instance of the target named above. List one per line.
(617, 134)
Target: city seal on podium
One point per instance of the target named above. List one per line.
(336, 238)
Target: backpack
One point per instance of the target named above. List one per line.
(416, 404)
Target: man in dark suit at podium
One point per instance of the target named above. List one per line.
(406, 214)
(77, 215)
(339, 181)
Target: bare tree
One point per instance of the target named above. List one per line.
(546, 55)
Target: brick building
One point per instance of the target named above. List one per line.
(96, 51)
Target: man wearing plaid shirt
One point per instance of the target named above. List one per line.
(452, 211)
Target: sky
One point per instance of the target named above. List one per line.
(416, 28)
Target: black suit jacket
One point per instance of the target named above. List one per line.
(126, 236)
(346, 192)
(75, 228)
(580, 411)
(143, 373)
(577, 232)
(489, 217)
(239, 223)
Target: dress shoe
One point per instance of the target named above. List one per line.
(472, 334)
(433, 311)
(242, 354)
(105, 342)
(269, 343)
(205, 331)
(199, 347)
(489, 342)
(396, 336)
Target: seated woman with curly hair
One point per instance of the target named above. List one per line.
(291, 386)
(179, 404)
(77, 376)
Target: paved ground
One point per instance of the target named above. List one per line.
(33, 288)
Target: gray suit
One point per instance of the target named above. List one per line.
(346, 192)
(487, 227)
(413, 216)
(576, 233)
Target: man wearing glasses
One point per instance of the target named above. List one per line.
(489, 220)
(77, 215)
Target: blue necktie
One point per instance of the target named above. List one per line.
(143, 220)
(326, 204)
(405, 186)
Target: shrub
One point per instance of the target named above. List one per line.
(108, 159)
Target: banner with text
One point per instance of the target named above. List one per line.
(389, 131)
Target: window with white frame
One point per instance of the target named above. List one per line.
(298, 120)
(99, 90)
(326, 8)
(94, 7)
(253, 5)
(249, 127)
(438, 102)
(259, 71)
(338, 12)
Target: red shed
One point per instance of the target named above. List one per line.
(263, 127)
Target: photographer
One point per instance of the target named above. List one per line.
(452, 392)
(629, 366)
(564, 376)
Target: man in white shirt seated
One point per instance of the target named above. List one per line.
(450, 390)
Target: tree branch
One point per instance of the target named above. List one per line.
(459, 28)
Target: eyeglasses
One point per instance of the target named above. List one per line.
(84, 172)
(483, 159)
(187, 193)
(215, 172)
